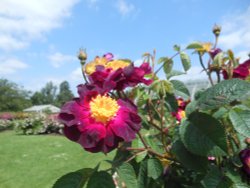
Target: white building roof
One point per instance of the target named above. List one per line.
(40, 108)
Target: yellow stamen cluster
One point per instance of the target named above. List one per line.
(114, 65)
(206, 47)
(103, 108)
(182, 114)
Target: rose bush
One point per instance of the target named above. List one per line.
(162, 136)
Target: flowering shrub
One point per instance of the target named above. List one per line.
(7, 116)
(162, 136)
(6, 124)
(38, 124)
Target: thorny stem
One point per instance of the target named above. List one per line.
(216, 42)
(151, 119)
(165, 63)
(218, 76)
(162, 123)
(204, 68)
(84, 76)
(151, 151)
(135, 149)
(155, 153)
(133, 156)
(142, 139)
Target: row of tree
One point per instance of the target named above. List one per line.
(16, 98)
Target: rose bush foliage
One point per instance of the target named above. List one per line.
(162, 136)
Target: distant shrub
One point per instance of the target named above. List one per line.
(21, 115)
(39, 124)
(6, 124)
(7, 116)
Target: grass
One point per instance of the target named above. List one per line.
(38, 161)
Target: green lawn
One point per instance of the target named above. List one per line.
(38, 161)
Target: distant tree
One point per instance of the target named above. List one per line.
(47, 95)
(13, 97)
(37, 98)
(64, 95)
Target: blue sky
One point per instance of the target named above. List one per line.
(39, 40)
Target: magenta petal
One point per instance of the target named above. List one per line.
(146, 68)
(110, 138)
(91, 135)
(72, 133)
(134, 122)
(122, 129)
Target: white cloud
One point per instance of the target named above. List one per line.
(138, 62)
(194, 73)
(76, 75)
(58, 59)
(11, 65)
(243, 55)
(124, 8)
(24, 21)
(93, 4)
(236, 30)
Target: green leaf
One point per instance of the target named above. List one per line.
(191, 107)
(154, 142)
(75, 179)
(185, 60)
(215, 179)
(142, 176)
(126, 173)
(235, 177)
(162, 60)
(194, 45)
(220, 113)
(168, 65)
(155, 168)
(203, 135)
(241, 121)
(121, 155)
(174, 73)
(101, 179)
(180, 89)
(212, 178)
(223, 93)
(171, 102)
(162, 87)
(188, 159)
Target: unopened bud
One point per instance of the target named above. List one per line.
(216, 30)
(82, 56)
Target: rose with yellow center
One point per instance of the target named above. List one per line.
(103, 108)
(99, 122)
(180, 114)
(117, 74)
